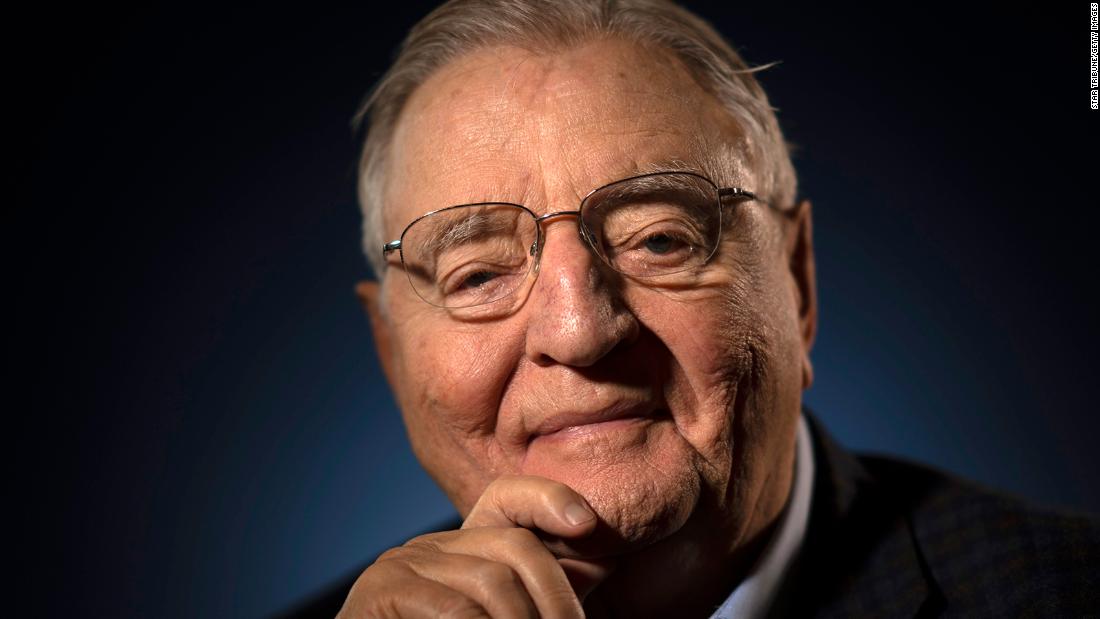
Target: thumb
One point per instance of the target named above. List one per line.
(533, 503)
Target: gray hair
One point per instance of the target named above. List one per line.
(462, 26)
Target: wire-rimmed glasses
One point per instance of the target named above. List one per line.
(651, 228)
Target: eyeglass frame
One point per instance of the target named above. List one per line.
(722, 193)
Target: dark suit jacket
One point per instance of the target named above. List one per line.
(893, 539)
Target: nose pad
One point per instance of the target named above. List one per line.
(536, 250)
(590, 242)
(585, 235)
(587, 239)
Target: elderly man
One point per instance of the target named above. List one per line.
(595, 304)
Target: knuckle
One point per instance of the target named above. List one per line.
(459, 607)
(390, 590)
(418, 547)
(503, 486)
(560, 601)
(392, 554)
(567, 603)
(494, 576)
(377, 579)
(371, 596)
(375, 608)
(429, 541)
(507, 479)
(520, 537)
(375, 572)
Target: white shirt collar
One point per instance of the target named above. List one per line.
(753, 597)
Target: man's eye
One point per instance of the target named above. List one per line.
(662, 243)
(479, 278)
(473, 284)
(471, 279)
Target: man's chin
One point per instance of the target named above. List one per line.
(633, 473)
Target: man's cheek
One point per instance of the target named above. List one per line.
(458, 380)
(717, 345)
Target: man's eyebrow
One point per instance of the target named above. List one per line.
(720, 167)
(456, 226)
(671, 164)
(714, 166)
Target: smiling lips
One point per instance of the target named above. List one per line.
(568, 424)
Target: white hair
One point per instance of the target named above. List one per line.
(462, 26)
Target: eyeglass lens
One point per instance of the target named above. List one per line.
(649, 226)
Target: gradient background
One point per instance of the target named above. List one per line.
(201, 427)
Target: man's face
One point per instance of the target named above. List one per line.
(709, 378)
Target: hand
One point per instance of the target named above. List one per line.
(495, 565)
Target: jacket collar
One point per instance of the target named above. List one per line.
(860, 557)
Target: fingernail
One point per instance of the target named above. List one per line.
(575, 514)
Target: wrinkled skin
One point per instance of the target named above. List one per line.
(696, 479)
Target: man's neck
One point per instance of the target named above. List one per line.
(756, 594)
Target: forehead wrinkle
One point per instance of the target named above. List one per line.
(620, 135)
(455, 103)
(596, 103)
(655, 126)
(534, 82)
(454, 137)
(501, 129)
(530, 138)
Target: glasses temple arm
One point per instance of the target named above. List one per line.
(391, 246)
(737, 192)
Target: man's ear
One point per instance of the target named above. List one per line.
(369, 293)
(800, 255)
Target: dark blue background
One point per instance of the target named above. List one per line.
(201, 427)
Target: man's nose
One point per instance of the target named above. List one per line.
(577, 312)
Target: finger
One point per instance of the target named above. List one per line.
(493, 585)
(392, 590)
(522, 551)
(533, 503)
(585, 575)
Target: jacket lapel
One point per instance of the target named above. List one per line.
(859, 557)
